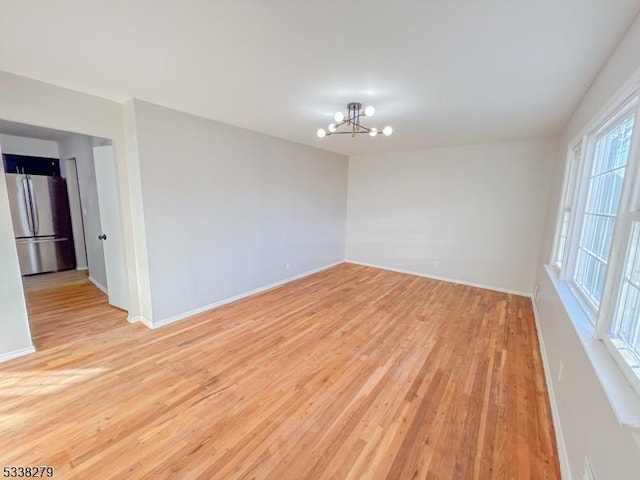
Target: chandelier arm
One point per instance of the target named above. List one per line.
(344, 133)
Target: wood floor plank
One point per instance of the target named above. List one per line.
(353, 372)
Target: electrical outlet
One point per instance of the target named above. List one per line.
(560, 370)
(535, 293)
(587, 471)
(288, 266)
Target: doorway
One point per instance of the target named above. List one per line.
(56, 291)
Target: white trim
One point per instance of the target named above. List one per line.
(82, 269)
(17, 353)
(572, 169)
(211, 306)
(139, 319)
(443, 279)
(99, 285)
(563, 457)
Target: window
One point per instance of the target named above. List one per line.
(567, 206)
(604, 188)
(597, 244)
(625, 331)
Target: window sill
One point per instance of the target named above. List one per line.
(623, 399)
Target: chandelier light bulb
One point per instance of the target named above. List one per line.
(373, 132)
(338, 117)
(387, 131)
(332, 127)
(369, 111)
(321, 133)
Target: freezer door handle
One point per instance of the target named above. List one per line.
(27, 203)
(41, 240)
(44, 254)
(34, 207)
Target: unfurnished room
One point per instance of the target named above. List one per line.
(320, 240)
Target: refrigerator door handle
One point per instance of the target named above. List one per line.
(27, 202)
(40, 240)
(34, 208)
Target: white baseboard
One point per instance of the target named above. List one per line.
(211, 306)
(140, 319)
(82, 269)
(99, 285)
(442, 279)
(17, 353)
(565, 470)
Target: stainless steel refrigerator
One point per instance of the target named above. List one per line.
(41, 223)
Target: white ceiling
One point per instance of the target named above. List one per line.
(441, 72)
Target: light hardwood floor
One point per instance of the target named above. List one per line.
(354, 373)
(47, 281)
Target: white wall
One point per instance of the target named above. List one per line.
(471, 213)
(36, 103)
(589, 425)
(34, 147)
(15, 336)
(80, 147)
(226, 209)
(14, 327)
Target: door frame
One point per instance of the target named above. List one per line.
(74, 162)
(121, 220)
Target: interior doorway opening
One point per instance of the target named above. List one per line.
(69, 253)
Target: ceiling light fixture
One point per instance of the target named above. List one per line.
(352, 120)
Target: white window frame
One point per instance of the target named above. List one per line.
(572, 167)
(630, 103)
(573, 200)
(607, 324)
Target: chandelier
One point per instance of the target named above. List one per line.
(352, 121)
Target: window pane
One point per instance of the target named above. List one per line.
(562, 241)
(613, 149)
(626, 327)
(590, 276)
(604, 189)
(605, 192)
(598, 234)
(632, 265)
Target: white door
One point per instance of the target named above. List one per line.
(111, 223)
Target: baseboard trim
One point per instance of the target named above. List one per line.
(563, 458)
(82, 269)
(139, 319)
(17, 353)
(101, 287)
(442, 279)
(211, 306)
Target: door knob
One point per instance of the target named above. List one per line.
(102, 237)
